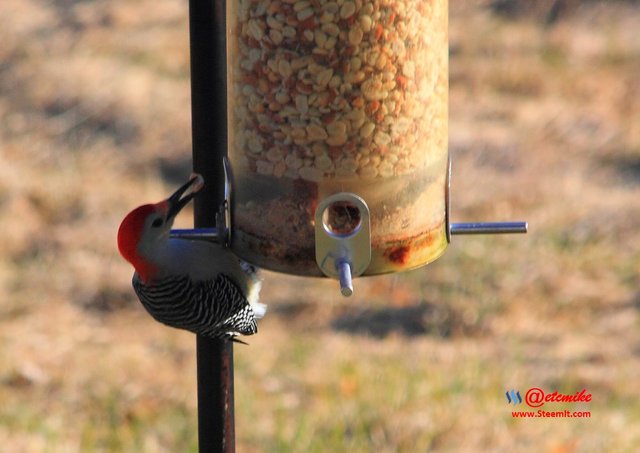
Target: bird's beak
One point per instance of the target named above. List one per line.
(184, 195)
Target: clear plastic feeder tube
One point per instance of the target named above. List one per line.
(338, 96)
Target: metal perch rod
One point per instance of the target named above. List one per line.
(207, 234)
(489, 227)
(211, 234)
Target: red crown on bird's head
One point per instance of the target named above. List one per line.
(130, 233)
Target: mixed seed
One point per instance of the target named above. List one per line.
(331, 89)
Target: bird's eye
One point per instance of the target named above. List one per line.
(157, 223)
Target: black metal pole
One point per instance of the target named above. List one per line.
(207, 33)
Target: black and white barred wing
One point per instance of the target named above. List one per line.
(231, 307)
(214, 308)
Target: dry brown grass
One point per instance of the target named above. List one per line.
(545, 126)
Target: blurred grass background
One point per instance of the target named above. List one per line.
(544, 127)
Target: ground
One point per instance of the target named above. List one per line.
(544, 127)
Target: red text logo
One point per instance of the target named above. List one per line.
(536, 397)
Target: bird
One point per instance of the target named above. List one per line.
(195, 285)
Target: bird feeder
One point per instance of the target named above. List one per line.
(337, 136)
(337, 121)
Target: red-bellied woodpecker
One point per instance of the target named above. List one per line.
(188, 284)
